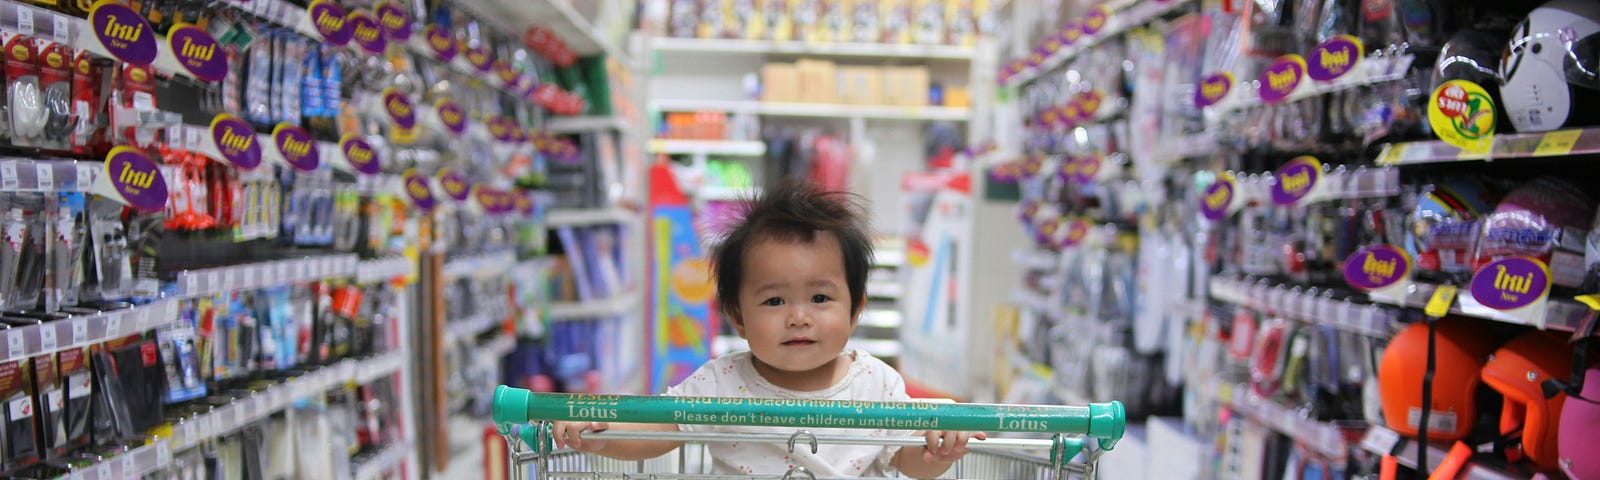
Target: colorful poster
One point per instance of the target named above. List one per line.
(682, 324)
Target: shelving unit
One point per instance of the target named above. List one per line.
(818, 110)
(589, 123)
(1559, 143)
(1125, 15)
(1560, 314)
(1324, 438)
(560, 16)
(385, 461)
(599, 216)
(766, 47)
(610, 307)
(1383, 441)
(483, 265)
(1307, 306)
(746, 148)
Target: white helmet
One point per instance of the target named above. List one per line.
(1550, 65)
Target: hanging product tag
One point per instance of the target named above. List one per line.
(359, 156)
(1218, 201)
(1095, 21)
(419, 190)
(1380, 270)
(451, 116)
(295, 147)
(121, 32)
(132, 179)
(453, 184)
(438, 40)
(1339, 58)
(396, 24)
(329, 20)
(1462, 114)
(480, 60)
(366, 32)
(1511, 289)
(191, 51)
(1280, 79)
(1297, 182)
(231, 139)
(1213, 89)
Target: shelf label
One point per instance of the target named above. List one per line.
(16, 344)
(1439, 304)
(331, 21)
(114, 324)
(1218, 198)
(396, 24)
(417, 188)
(47, 337)
(24, 20)
(121, 32)
(366, 32)
(47, 175)
(1463, 115)
(1296, 180)
(8, 175)
(454, 184)
(1559, 142)
(1213, 89)
(132, 179)
(1378, 269)
(80, 331)
(197, 53)
(1512, 284)
(1334, 58)
(1282, 78)
(235, 141)
(440, 42)
(297, 147)
(451, 115)
(360, 154)
(61, 29)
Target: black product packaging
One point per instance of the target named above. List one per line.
(51, 400)
(16, 390)
(78, 388)
(140, 371)
(110, 420)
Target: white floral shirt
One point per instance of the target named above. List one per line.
(734, 375)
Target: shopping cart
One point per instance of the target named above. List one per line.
(523, 419)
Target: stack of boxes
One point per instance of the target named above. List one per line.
(822, 81)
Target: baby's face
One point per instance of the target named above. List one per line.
(795, 307)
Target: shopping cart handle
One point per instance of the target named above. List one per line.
(1102, 421)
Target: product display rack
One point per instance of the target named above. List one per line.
(1559, 143)
(686, 46)
(819, 110)
(1122, 15)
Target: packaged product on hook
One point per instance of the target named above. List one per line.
(91, 94)
(25, 99)
(20, 434)
(55, 83)
(51, 401)
(66, 259)
(77, 387)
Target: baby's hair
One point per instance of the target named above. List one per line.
(793, 211)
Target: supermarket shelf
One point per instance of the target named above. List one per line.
(885, 289)
(588, 123)
(384, 461)
(134, 463)
(483, 265)
(81, 331)
(745, 148)
(1306, 306)
(1125, 15)
(48, 175)
(610, 307)
(557, 16)
(881, 319)
(585, 217)
(889, 258)
(1342, 184)
(1383, 441)
(212, 281)
(821, 110)
(191, 431)
(1325, 438)
(458, 330)
(881, 50)
(1371, 71)
(384, 269)
(725, 344)
(1585, 141)
(1189, 146)
(1560, 314)
(1035, 259)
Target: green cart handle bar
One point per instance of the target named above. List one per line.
(1104, 422)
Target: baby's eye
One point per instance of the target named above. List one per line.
(819, 298)
(772, 302)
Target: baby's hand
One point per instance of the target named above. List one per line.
(571, 433)
(947, 446)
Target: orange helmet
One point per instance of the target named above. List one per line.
(1518, 371)
(1459, 354)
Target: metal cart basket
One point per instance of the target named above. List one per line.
(523, 419)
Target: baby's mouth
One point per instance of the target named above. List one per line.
(799, 342)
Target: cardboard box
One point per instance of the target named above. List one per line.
(906, 86)
(958, 97)
(861, 85)
(780, 82)
(819, 80)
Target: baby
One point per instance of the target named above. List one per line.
(791, 277)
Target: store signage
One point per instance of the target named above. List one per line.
(1511, 283)
(1088, 167)
(440, 41)
(508, 75)
(236, 141)
(136, 179)
(1072, 32)
(123, 32)
(331, 21)
(1089, 104)
(1046, 234)
(1282, 77)
(451, 115)
(1463, 115)
(479, 59)
(1334, 58)
(1218, 197)
(400, 108)
(1077, 230)
(299, 150)
(1296, 180)
(416, 186)
(454, 184)
(197, 53)
(500, 128)
(1213, 89)
(367, 33)
(1377, 267)
(396, 24)
(1096, 20)
(524, 203)
(362, 157)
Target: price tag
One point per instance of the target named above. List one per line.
(114, 324)
(1440, 303)
(16, 345)
(130, 468)
(189, 433)
(163, 452)
(85, 176)
(260, 402)
(47, 337)
(80, 331)
(61, 29)
(25, 20)
(1369, 320)
(103, 471)
(230, 279)
(241, 415)
(142, 319)
(191, 282)
(1557, 143)
(214, 281)
(8, 175)
(47, 176)
(1380, 440)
